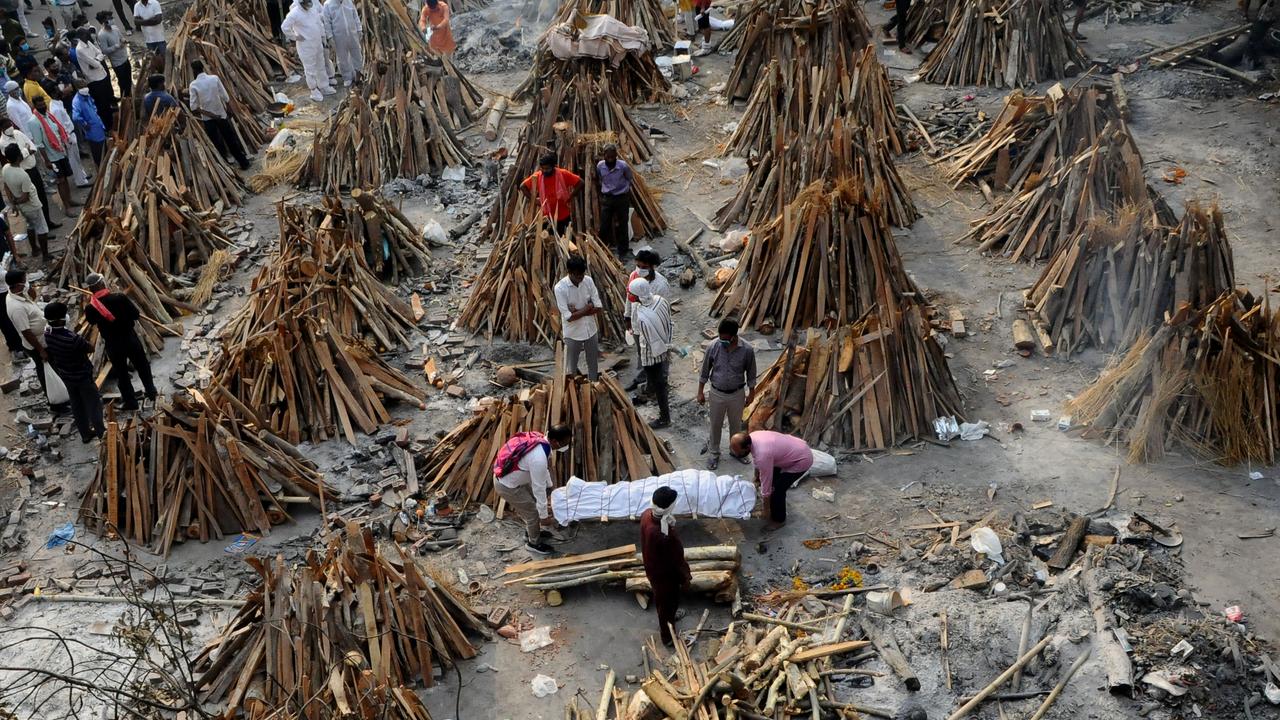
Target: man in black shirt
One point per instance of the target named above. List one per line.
(69, 357)
(115, 314)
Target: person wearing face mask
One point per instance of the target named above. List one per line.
(522, 477)
(729, 364)
(305, 26)
(651, 323)
(150, 17)
(84, 113)
(579, 303)
(58, 110)
(93, 65)
(53, 140)
(27, 151)
(554, 188)
(781, 461)
(112, 44)
(343, 24)
(615, 200)
(647, 262)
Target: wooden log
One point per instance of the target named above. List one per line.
(887, 646)
(1000, 680)
(493, 122)
(1070, 542)
(1023, 339)
(1115, 660)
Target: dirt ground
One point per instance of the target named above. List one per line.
(1218, 131)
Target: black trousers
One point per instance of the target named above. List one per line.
(899, 20)
(563, 225)
(105, 99)
(124, 78)
(124, 16)
(122, 354)
(41, 369)
(86, 408)
(658, 388)
(782, 481)
(34, 174)
(614, 218)
(95, 149)
(224, 138)
(12, 339)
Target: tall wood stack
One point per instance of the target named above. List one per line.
(611, 442)
(871, 384)
(192, 473)
(927, 20)
(797, 100)
(299, 358)
(1205, 382)
(647, 14)
(1033, 136)
(827, 259)
(346, 634)
(796, 32)
(1004, 43)
(238, 50)
(1118, 280)
(513, 296)
(1035, 222)
(576, 119)
(384, 240)
(837, 152)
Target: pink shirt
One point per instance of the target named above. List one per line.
(777, 451)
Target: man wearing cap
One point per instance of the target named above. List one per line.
(663, 556)
(15, 106)
(69, 357)
(115, 315)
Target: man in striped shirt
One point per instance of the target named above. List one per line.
(651, 323)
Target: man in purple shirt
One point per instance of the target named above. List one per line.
(780, 460)
(615, 200)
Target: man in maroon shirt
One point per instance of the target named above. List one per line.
(664, 562)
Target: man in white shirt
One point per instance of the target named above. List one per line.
(208, 99)
(343, 23)
(27, 318)
(579, 303)
(150, 17)
(15, 106)
(93, 65)
(522, 477)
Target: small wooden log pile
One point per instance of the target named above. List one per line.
(1032, 224)
(513, 296)
(1205, 381)
(611, 442)
(827, 259)
(1117, 281)
(384, 240)
(872, 384)
(576, 119)
(192, 473)
(838, 153)
(346, 634)
(714, 569)
(1033, 136)
(927, 20)
(238, 50)
(1004, 43)
(799, 33)
(293, 359)
(791, 99)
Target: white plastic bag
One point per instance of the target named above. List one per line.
(433, 232)
(823, 464)
(535, 639)
(456, 173)
(985, 541)
(543, 685)
(54, 388)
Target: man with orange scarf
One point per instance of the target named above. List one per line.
(435, 15)
(115, 315)
(53, 140)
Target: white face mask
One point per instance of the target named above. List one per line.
(84, 91)
(562, 448)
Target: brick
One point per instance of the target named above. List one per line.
(19, 579)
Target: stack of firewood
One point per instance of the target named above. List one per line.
(513, 297)
(1205, 382)
(192, 473)
(611, 442)
(714, 569)
(791, 100)
(838, 152)
(827, 259)
(240, 52)
(575, 119)
(299, 358)
(1036, 221)
(796, 32)
(382, 236)
(927, 20)
(1004, 43)
(1118, 280)
(1033, 136)
(347, 633)
(647, 14)
(871, 384)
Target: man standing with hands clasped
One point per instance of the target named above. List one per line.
(579, 302)
(730, 366)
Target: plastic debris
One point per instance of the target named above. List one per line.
(946, 428)
(61, 535)
(535, 639)
(543, 685)
(985, 541)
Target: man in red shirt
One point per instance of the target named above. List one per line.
(554, 188)
(663, 556)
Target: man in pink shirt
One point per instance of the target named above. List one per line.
(780, 460)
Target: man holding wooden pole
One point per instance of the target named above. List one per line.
(780, 460)
(664, 562)
(522, 478)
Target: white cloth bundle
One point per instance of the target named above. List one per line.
(701, 493)
(600, 36)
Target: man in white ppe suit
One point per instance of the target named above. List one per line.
(305, 25)
(343, 23)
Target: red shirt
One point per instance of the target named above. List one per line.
(553, 192)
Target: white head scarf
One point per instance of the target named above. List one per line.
(640, 288)
(666, 516)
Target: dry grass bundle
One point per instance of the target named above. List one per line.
(514, 296)
(794, 101)
(826, 260)
(826, 33)
(611, 442)
(1004, 43)
(868, 385)
(1118, 280)
(192, 473)
(1206, 381)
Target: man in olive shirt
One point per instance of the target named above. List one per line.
(730, 366)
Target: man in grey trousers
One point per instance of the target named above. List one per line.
(579, 302)
(729, 364)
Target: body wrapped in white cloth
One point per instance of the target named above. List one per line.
(701, 494)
